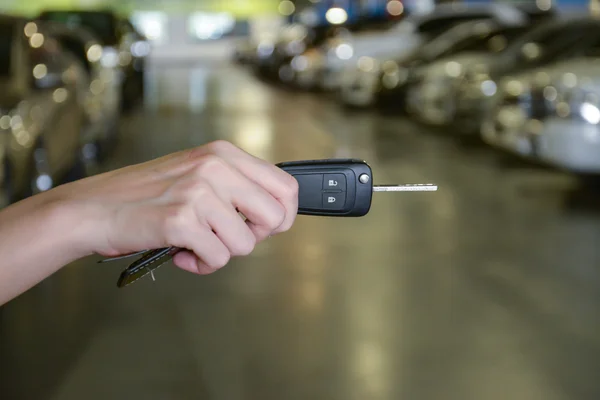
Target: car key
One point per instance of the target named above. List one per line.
(327, 188)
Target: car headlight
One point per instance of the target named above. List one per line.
(343, 51)
(110, 57)
(140, 49)
(301, 63)
(454, 69)
(393, 75)
(577, 103)
(478, 82)
(367, 64)
(514, 87)
(295, 47)
(265, 49)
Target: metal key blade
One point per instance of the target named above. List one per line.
(146, 265)
(406, 188)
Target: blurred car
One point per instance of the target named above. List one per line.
(245, 51)
(41, 114)
(275, 54)
(433, 87)
(123, 46)
(464, 43)
(308, 68)
(550, 114)
(383, 82)
(556, 40)
(569, 137)
(344, 55)
(101, 90)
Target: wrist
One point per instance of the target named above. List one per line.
(79, 221)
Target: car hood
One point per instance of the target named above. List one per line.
(379, 46)
(586, 72)
(461, 61)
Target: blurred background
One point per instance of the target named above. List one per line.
(486, 289)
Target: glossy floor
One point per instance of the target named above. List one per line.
(488, 289)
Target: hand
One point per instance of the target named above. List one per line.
(190, 200)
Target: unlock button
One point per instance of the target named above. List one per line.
(335, 182)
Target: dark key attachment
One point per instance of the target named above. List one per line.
(330, 188)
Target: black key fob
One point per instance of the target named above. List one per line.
(337, 188)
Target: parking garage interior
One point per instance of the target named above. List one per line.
(488, 288)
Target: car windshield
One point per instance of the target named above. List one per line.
(544, 44)
(439, 25)
(7, 34)
(101, 23)
(495, 41)
(455, 36)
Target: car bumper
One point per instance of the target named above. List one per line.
(331, 79)
(506, 129)
(433, 102)
(308, 78)
(570, 144)
(470, 113)
(359, 90)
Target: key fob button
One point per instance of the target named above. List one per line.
(334, 201)
(335, 182)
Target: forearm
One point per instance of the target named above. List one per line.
(38, 236)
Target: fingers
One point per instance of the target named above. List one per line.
(228, 226)
(208, 250)
(263, 212)
(278, 183)
(188, 261)
(208, 227)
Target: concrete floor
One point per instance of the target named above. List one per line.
(488, 289)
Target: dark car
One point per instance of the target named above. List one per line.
(101, 89)
(123, 46)
(41, 117)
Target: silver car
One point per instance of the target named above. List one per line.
(481, 85)
(41, 117)
(557, 120)
(344, 57)
(434, 88)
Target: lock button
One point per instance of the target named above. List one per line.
(334, 182)
(334, 201)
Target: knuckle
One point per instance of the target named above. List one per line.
(173, 223)
(290, 187)
(220, 146)
(211, 165)
(246, 247)
(276, 217)
(220, 259)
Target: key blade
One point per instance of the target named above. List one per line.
(406, 188)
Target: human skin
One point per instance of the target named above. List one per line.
(190, 199)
